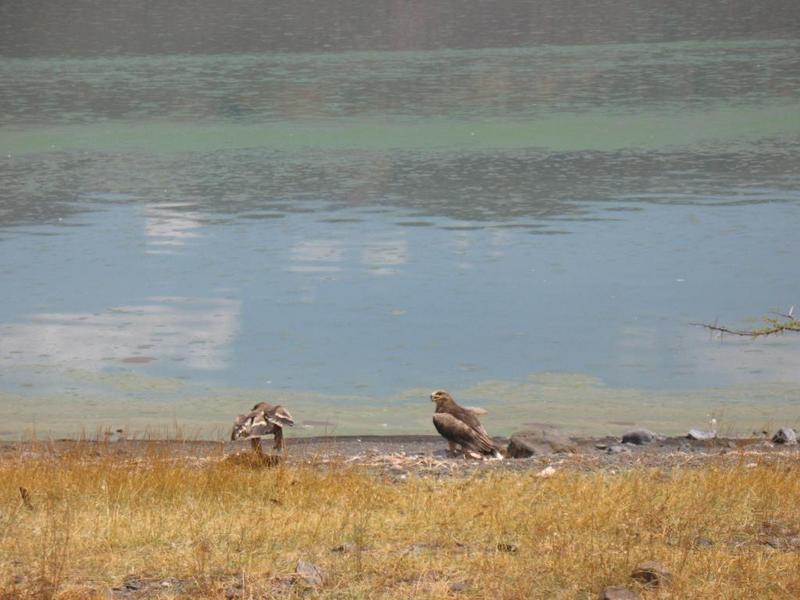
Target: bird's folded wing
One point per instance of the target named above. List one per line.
(457, 431)
(476, 410)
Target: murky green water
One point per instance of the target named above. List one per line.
(344, 207)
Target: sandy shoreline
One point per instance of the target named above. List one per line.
(421, 454)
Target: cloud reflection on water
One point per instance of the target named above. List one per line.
(382, 256)
(198, 332)
(166, 226)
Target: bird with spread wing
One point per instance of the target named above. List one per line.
(264, 419)
(461, 427)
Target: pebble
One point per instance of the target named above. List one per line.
(703, 542)
(310, 573)
(652, 573)
(616, 592)
(638, 437)
(546, 472)
(699, 434)
(785, 435)
(459, 586)
(232, 593)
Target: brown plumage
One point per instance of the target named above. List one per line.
(263, 419)
(460, 426)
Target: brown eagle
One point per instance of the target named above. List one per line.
(263, 420)
(460, 427)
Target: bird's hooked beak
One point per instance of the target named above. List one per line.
(437, 395)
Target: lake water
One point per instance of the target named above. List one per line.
(341, 206)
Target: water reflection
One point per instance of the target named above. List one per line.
(523, 188)
(166, 227)
(197, 332)
(384, 256)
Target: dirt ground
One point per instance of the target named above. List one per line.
(426, 454)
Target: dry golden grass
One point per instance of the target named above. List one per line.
(88, 522)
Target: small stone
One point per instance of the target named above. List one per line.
(132, 583)
(231, 593)
(638, 437)
(418, 548)
(510, 548)
(782, 543)
(652, 573)
(785, 435)
(310, 573)
(699, 434)
(535, 442)
(546, 472)
(459, 586)
(774, 542)
(703, 542)
(617, 592)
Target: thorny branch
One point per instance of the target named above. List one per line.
(786, 322)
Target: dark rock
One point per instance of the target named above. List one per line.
(782, 543)
(786, 435)
(348, 547)
(699, 434)
(617, 592)
(638, 437)
(510, 548)
(652, 573)
(133, 583)
(542, 440)
(232, 593)
(310, 573)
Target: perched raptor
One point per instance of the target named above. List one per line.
(263, 420)
(460, 427)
